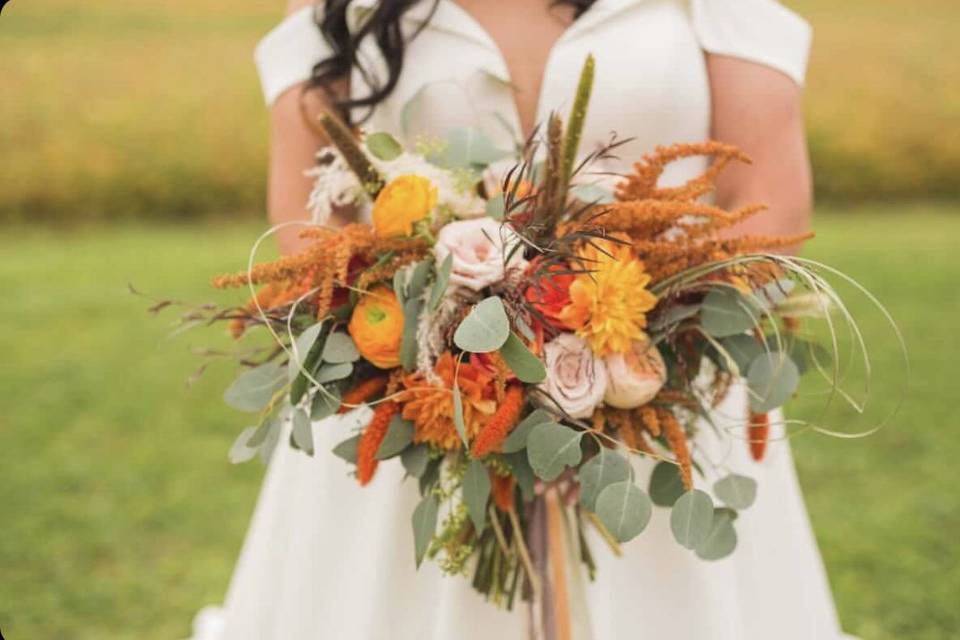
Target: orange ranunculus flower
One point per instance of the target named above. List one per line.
(376, 326)
(405, 200)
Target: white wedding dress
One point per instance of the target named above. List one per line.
(325, 559)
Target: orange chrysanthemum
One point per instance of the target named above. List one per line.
(608, 306)
(430, 407)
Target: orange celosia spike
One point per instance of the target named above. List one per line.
(500, 424)
(362, 392)
(502, 491)
(372, 438)
(759, 432)
(678, 443)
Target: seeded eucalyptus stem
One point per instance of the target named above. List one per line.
(342, 138)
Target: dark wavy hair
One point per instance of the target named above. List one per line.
(383, 25)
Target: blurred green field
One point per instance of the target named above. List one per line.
(128, 108)
(122, 515)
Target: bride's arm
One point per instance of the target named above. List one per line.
(759, 110)
(293, 144)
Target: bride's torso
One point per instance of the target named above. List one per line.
(650, 86)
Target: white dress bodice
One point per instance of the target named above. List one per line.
(651, 82)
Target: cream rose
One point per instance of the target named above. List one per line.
(635, 377)
(478, 248)
(576, 378)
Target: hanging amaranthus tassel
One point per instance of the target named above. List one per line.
(372, 438)
(500, 424)
(364, 391)
(759, 432)
(678, 443)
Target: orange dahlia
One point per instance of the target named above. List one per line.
(430, 406)
(608, 306)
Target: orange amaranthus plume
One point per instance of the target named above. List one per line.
(500, 424)
(677, 439)
(759, 434)
(369, 388)
(371, 439)
(430, 406)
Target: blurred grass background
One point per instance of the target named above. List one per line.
(126, 108)
(121, 514)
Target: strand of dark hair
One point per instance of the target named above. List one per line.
(383, 25)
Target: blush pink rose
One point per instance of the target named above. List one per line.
(478, 248)
(635, 377)
(576, 378)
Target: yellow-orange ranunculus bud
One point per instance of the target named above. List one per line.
(376, 326)
(404, 201)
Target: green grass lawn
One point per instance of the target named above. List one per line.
(121, 515)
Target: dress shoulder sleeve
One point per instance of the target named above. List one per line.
(286, 56)
(762, 31)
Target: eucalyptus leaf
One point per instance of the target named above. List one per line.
(419, 277)
(742, 349)
(254, 388)
(517, 439)
(325, 403)
(270, 440)
(440, 284)
(476, 492)
(400, 285)
(262, 431)
(347, 450)
(424, 526)
(624, 510)
(772, 379)
(736, 491)
(592, 193)
(722, 539)
(486, 328)
(458, 421)
(673, 314)
(520, 467)
(666, 484)
(725, 312)
(399, 436)
(430, 477)
(383, 146)
(241, 451)
(415, 459)
(526, 366)
(466, 147)
(300, 351)
(496, 206)
(408, 340)
(551, 448)
(691, 519)
(302, 431)
(339, 349)
(333, 372)
(602, 470)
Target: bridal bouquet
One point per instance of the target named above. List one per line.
(513, 335)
